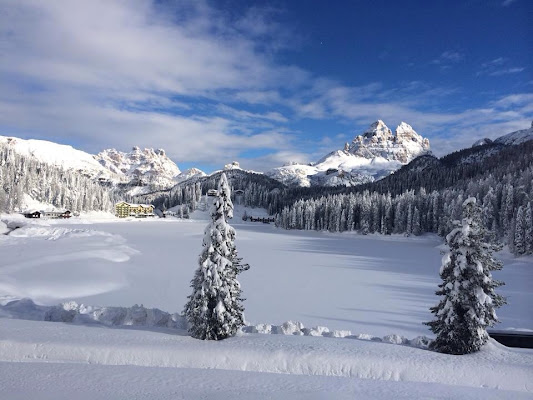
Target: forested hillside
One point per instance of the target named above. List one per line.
(259, 190)
(24, 180)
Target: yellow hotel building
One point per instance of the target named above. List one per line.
(123, 210)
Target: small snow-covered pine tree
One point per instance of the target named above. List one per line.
(519, 232)
(469, 301)
(528, 239)
(214, 310)
(224, 194)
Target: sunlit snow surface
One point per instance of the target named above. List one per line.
(365, 284)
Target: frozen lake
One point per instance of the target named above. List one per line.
(366, 284)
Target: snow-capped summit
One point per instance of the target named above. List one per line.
(148, 165)
(378, 130)
(232, 165)
(378, 141)
(518, 137)
(188, 174)
(372, 155)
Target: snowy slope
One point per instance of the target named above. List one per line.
(495, 372)
(371, 156)
(517, 137)
(188, 174)
(63, 156)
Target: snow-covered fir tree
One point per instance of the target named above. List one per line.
(528, 235)
(214, 310)
(224, 195)
(469, 300)
(520, 232)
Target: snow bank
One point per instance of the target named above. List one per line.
(82, 314)
(54, 233)
(494, 367)
(298, 329)
(136, 315)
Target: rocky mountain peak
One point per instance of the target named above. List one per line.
(379, 141)
(377, 130)
(372, 155)
(147, 164)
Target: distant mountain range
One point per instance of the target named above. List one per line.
(371, 156)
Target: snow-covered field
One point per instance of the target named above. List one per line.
(370, 285)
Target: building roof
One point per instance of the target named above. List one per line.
(134, 205)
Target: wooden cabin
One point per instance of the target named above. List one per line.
(56, 214)
(32, 214)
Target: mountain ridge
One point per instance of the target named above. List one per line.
(370, 156)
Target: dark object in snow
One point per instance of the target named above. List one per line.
(513, 339)
(32, 214)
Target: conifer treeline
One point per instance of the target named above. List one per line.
(506, 206)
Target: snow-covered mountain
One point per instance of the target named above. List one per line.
(59, 155)
(372, 155)
(517, 137)
(141, 171)
(188, 174)
(148, 166)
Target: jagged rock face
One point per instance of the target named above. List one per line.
(149, 165)
(378, 141)
(370, 156)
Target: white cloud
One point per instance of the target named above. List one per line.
(114, 73)
(186, 78)
(448, 57)
(497, 67)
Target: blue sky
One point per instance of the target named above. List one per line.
(262, 82)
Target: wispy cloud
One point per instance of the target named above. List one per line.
(507, 3)
(497, 67)
(448, 57)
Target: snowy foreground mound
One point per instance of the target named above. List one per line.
(70, 358)
(142, 317)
